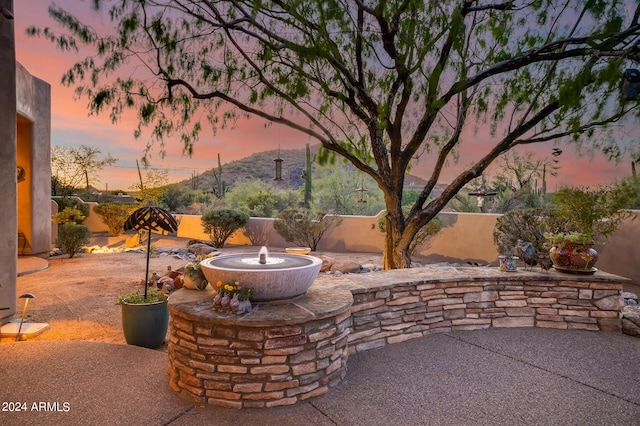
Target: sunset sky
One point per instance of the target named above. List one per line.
(71, 125)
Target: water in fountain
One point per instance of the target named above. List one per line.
(272, 277)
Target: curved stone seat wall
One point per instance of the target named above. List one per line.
(289, 351)
(394, 306)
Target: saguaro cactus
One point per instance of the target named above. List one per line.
(218, 186)
(307, 180)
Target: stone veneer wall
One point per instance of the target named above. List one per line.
(283, 353)
(279, 354)
(399, 307)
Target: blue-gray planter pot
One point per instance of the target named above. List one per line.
(145, 324)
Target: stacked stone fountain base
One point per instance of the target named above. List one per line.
(281, 353)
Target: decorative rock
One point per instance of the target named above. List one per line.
(346, 267)
(629, 298)
(132, 241)
(631, 320)
(201, 249)
(326, 262)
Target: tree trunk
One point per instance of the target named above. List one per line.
(396, 253)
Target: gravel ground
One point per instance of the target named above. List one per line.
(77, 297)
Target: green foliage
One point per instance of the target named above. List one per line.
(72, 237)
(154, 295)
(151, 187)
(73, 203)
(70, 215)
(114, 215)
(304, 227)
(334, 191)
(463, 202)
(194, 202)
(172, 197)
(253, 196)
(527, 225)
(558, 239)
(220, 224)
(596, 211)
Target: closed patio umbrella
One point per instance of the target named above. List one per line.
(150, 218)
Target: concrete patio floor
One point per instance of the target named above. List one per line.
(497, 376)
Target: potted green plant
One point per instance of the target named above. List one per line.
(193, 277)
(590, 214)
(145, 316)
(145, 319)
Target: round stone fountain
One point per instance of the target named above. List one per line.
(290, 347)
(272, 277)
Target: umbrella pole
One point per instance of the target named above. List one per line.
(146, 276)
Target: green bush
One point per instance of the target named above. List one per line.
(304, 227)
(71, 238)
(526, 225)
(596, 212)
(68, 202)
(70, 215)
(220, 224)
(114, 215)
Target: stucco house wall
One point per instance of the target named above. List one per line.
(25, 138)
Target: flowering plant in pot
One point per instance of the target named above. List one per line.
(589, 214)
(233, 296)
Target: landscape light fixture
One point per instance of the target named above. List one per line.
(26, 298)
(6, 13)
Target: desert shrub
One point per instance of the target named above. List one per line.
(72, 237)
(68, 202)
(221, 223)
(70, 215)
(258, 232)
(422, 238)
(526, 225)
(596, 211)
(114, 215)
(304, 227)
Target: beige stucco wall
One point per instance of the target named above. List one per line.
(621, 253)
(465, 237)
(33, 106)
(8, 181)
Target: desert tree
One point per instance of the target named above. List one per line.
(380, 83)
(73, 166)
